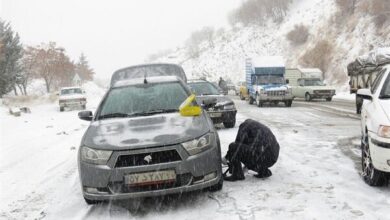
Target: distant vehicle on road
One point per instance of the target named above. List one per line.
(375, 121)
(265, 80)
(71, 97)
(364, 70)
(221, 110)
(148, 138)
(308, 84)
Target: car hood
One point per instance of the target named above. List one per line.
(73, 96)
(320, 87)
(385, 104)
(141, 132)
(221, 99)
(274, 87)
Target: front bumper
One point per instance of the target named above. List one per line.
(380, 152)
(222, 116)
(190, 174)
(268, 98)
(72, 103)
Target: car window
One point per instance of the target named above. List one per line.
(71, 91)
(377, 81)
(313, 82)
(385, 93)
(203, 88)
(144, 98)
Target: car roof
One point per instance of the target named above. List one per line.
(152, 79)
(74, 87)
(197, 81)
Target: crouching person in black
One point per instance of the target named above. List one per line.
(256, 147)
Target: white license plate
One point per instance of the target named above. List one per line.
(215, 115)
(151, 178)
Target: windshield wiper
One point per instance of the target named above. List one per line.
(158, 111)
(114, 115)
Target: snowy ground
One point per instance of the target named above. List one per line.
(317, 175)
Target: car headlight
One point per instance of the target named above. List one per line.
(229, 107)
(384, 131)
(199, 145)
(98, 157)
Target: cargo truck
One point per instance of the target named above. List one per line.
(265, 77)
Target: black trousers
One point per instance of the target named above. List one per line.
(250, 157)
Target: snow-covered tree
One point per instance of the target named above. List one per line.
(10, 54)
(83, 69)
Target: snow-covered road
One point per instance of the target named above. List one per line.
(316, 177)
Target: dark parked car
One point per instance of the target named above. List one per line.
(221, 110)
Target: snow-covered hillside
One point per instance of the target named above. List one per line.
(348, 37)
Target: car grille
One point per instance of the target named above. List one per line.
(323, 92)
(181, 180)
(143, 159)
(276, 93)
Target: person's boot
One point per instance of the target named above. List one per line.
(264, 173)
(237, 173)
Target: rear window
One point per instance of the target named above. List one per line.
(71, 91)
(203, 88)
(144, 98)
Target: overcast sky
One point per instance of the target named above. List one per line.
(113, 34)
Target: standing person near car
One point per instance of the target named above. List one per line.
(223, 85)
(256, 147)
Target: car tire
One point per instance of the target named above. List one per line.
(307, 97)
(92, 202)
(61, 109)
(229, 124)
(371, 176)
(217, 187)
(288, 103)
(251, 100)
(329, 99)
(241, 96)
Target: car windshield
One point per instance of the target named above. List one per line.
(143, 99)
(203, 88)
(313, 82)
(270, 79)
(71, 91)
(386, 89)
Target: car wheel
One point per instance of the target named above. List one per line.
(251, 100)
(218, 186)
(229, 124)
(371, 176)
(329, 99)
(92, 202)
(307, 97)
(61, 109)
(241, 96)
(288, 103)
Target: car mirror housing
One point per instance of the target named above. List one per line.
(187, 109)
(364, 94)
(85, 115)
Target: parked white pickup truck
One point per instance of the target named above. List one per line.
(70, 97)
(375, 115)
(308, 84)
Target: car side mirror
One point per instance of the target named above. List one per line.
(364, 94)
(287, 81)
(85, 115)
(187, 109)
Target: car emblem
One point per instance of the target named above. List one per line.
(148, 159)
